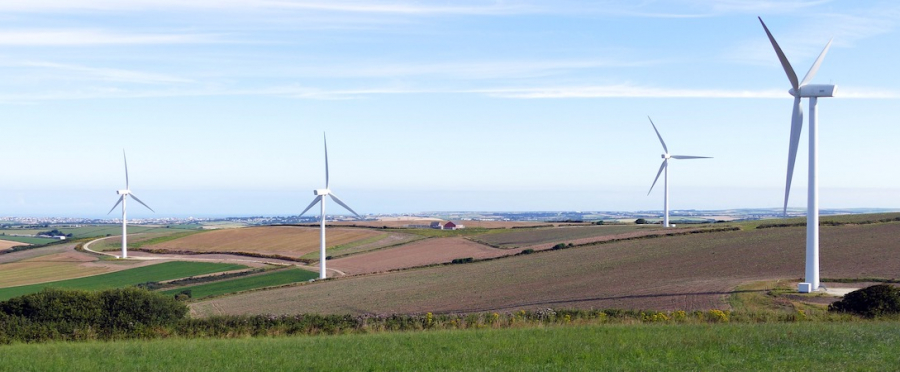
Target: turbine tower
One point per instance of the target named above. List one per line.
(803, 89)
(122, 197)
(320, 198)
(665, 167)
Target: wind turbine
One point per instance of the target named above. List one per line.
(665, 167)
(803, 89)
(320, 198)
(122, 197)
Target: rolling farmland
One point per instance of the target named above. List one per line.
(670, 272)
(289, 241)
(269, 279)
(158, 272)
(420, 253)
(58, 266)
(553, 235)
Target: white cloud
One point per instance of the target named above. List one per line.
(76, 37)
(105, 74)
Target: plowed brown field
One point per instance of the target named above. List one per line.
(672, 272)
(420, 253)
(289, 241)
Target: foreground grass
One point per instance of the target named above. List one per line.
(247, 283)
(154, 273)
(797, 346)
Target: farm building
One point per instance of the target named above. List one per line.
(437, 225)
(452, 226)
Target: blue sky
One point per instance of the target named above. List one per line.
(437, 105)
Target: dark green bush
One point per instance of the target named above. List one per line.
(462, 260)
(527, 251)
(881, 299)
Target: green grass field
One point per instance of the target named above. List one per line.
(27, 239)
(158, 272)
(719, 347)
(270, 279)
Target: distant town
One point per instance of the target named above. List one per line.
(677, 216)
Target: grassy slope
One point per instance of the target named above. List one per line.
(778, 347)
(678, 272)
(28, 239)
(275, 278)
(158, 272)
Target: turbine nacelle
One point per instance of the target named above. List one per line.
(666, 156)
(322, 192)
(123, 192)
(815, 90)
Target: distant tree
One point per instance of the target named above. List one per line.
(640, 221)
(598, 223)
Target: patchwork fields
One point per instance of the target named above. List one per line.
(687, 272)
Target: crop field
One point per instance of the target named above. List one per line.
(158, 272)
(721, 347)
(58, 266)
(7, 244)
(553, 235)
(269, 279)
(140, 240)
(386, 239)
(420, 253)
(28, 240)
(287, 241)
(686, 272)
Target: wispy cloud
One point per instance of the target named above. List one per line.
(626, 91)
(78, 37)
(106, 74)
(382, 7)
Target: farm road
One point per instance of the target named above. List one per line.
(252, 261)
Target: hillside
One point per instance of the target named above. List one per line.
(685, 272)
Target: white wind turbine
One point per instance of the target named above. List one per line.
(665, 167)
(800, 90)
(320, 198)
(122, 197)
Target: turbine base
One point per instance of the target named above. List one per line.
(805, 288)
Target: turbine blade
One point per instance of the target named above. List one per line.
(126, 169)
(142, 203)
(336, 200)
(117, 204)
(661, 167)
(792, 76)
(815, 67)
(660, 137)
(326, 159)
(796, 128)
(690, 157)
(316, 200)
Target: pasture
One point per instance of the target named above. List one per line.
(139, 240)
(288, 241)
(687, 272)
(267, 279)
(27, 240)
(155, 273)
(780, 347)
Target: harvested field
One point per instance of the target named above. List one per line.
(288, 241)
(569, 234)
(59, 266)
(420, 253)
(6, 244)
(671, 272)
